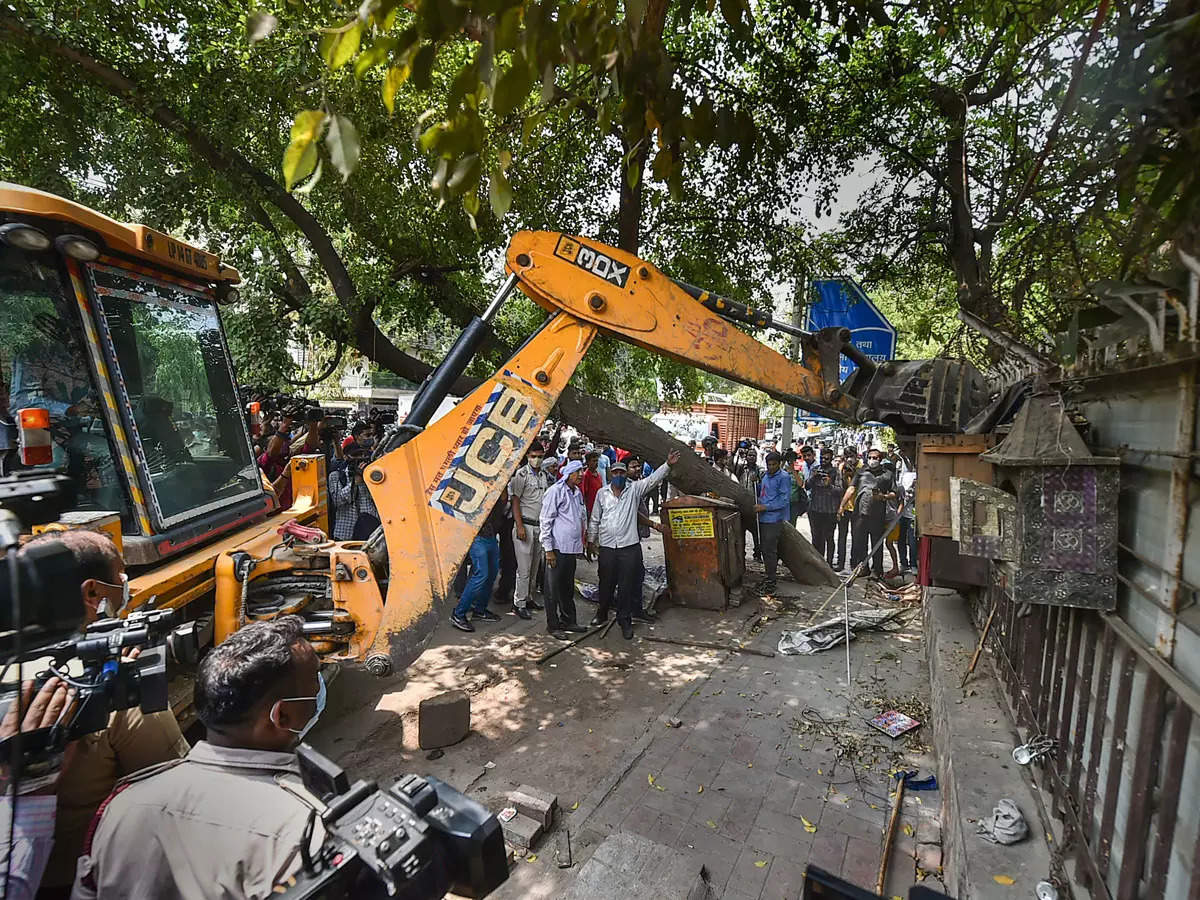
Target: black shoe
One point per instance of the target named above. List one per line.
(627, 632)
(758, 557)
(522, 612)
(461, 624)
(577, 628)
(561, 635)
(768, 588)
(487, 616)
(644, 615)
(534, 605)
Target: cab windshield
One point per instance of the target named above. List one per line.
(176, 381)
(43, 364)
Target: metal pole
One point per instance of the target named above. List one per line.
(789, 412)
(846, 602)
(501, 295)
(437, 386)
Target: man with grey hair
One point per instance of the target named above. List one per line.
(563, 522)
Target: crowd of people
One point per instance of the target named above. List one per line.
(852, 492)
(226, 816)
(347, 447)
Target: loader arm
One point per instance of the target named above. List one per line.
(435, 485)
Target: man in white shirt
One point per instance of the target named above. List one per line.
(613, 530)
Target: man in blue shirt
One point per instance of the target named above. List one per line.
(774, 495)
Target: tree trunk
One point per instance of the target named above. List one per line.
(608, 422)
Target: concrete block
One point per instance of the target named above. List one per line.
(443, 720)
(537, 804)
(522, 832)
(627, 865)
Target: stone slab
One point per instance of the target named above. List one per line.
(522, 832)
(534, 803)
(627, 865)
(443, 720)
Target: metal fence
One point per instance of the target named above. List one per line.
(1125, 723)
(1120, 692)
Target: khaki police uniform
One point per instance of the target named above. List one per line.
(132, 741)
(220, 823)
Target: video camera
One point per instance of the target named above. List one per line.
(419, 839)
(42, 612)
(108, 683)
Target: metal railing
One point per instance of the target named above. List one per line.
(1124, 723)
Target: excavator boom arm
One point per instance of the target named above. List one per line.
(435, 485)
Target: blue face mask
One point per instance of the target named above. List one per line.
(618, 481)
(320, 698)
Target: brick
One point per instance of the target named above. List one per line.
(744, 749)
(781, 794)
(810, 808)
(671, 803)
(929, 830)
(786, 881)
(828, 851)
(562, 851)
(539, 805)
(522, 832)
(739, 818)
(788, 846)
(841, 821)
(716, 852)
(443, 720)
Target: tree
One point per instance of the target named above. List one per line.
(327, 255)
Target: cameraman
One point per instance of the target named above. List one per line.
(226, 821)
(132, 740)
(354, 512)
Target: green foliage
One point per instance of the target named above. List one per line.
(720, 134)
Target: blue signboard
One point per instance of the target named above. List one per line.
(841, 302)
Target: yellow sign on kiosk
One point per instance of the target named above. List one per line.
(690, 523)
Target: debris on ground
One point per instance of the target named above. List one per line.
(1005, 825)
(894, 723)
(832, 632)
(562, 851)
(881, 592)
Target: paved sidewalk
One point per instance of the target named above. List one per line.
(772, 768)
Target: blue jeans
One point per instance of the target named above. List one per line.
(485, 563)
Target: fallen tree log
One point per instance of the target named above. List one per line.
(605, 421)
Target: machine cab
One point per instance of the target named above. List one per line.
(113, 331)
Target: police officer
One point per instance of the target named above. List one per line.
(227, 820)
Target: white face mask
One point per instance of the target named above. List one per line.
(320, 698)
(535, 462)
(103, 609)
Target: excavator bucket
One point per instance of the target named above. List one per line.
(434, 491)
